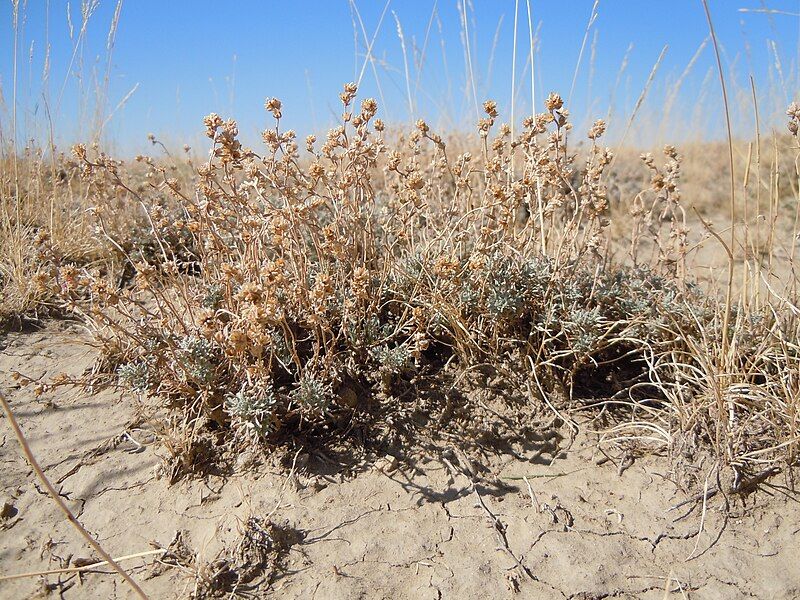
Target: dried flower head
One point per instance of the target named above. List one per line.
(274, 105)
(553, 102)
(597, 129)
(212, 122)
(348, 94)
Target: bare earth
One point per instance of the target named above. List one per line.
(380, 528)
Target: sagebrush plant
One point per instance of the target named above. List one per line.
(290, 288)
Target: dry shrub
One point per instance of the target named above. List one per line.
(290, 293)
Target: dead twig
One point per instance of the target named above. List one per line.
(500, 530)
(57, 499)
(81, 568)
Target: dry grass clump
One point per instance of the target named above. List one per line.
(42, 202)
(291, 294)
(52, 218)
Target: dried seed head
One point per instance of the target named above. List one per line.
(415, 181)
(553, 102)
(79, 151)
(212, 122)
(490, 108)
(349, 93)
(793, 112)
(316, 170)
(394, 160)
(250, 292)
(484, 125)
(273, 105)
(360, 282)
(597, 130)
(237, 341)
(368, 108)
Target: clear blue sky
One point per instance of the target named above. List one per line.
(190, 58)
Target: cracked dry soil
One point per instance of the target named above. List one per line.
(379, 528)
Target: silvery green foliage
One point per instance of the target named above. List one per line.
(370, 332)
(584, 328)
(253, 406)
(507, 289)
(196, 356)
(411, 269)
(469, 296)
(312, 393)
(392, 360)
(214, 296)
(642, 295)
(537, 273)
(280, 348)
(633, 291)
(153, 343)
(137, 375)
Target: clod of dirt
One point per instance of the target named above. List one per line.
(9, 511)
(348, 397)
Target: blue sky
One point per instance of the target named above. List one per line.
(186, 59)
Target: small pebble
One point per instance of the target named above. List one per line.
(388, 464)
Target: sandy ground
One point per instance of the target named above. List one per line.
(376, 528)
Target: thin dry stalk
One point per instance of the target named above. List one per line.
(369, 58)
(470, 71)
(82, 568)
(401, 37)
(732, 205)
(532, 52)
(61, 505)
(642, 96)
(592, 19)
